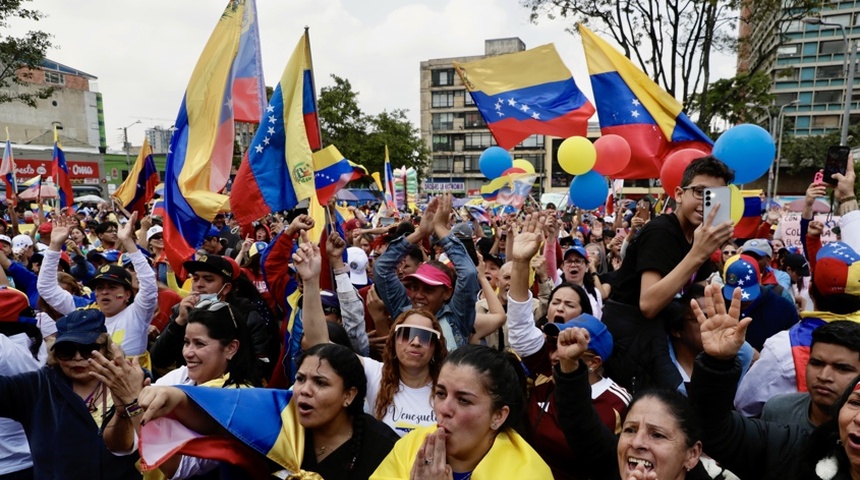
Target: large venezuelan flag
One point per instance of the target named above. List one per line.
(524, 93)
(61, 174)
(201, 150)
(139, 187)
(277, 171)
(331, 173)
(259, 420)
(631, 105)
(7, 172)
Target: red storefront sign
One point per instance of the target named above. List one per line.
(79, 171)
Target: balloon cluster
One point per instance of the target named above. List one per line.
(496, 162)
(590, 163)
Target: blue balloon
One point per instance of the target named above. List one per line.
(494, 161)
(589, 190)
(747, 149)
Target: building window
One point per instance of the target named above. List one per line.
(442, 99)
(443, 163)
(533, 141)
(825, 121)
(828, 96)
(793, 26)
(786, 74)
(443, 121)
(442, 143)
(829, 71)
(469, 101)
(56, 78)
(788, 50)
(784, 99)
(843, 19)
(443, 77)
(831, 46)
(474, 120)
(471, 163)
(479, 141)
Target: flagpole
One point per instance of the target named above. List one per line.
(313, 82)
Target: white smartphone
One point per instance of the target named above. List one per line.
(721, 196)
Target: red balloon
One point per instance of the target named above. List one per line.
(512, 170)
(613, 154)
(673, 168)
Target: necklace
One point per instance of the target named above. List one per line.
(90, 401)
(321, 452)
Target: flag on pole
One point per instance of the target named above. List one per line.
(631, 105)
(331, 173)
(201, 149)
(139, 187)
(61, 174)
(7, 171)
(525, 93)
(390, 193)
(34, 187)
(277, 171)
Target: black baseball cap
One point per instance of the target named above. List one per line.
(113, 274)
(212, 263)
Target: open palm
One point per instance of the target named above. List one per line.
(723, 333)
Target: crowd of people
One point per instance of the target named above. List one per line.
(543, 343)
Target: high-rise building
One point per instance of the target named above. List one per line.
(159, 139)
(454, 130)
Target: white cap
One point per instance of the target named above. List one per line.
(153, 231)
(357, 260)
(5, 238)
(20, 243)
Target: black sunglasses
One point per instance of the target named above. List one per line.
(214, 306)
(66, 351)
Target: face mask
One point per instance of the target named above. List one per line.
(211, 296)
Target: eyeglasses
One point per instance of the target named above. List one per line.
(214, 306)
(407, 333)
(575, 261)
(66, 350)
(156, 237)
(698, 191)
(730, 252)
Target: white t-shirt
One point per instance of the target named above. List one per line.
(411, 407)
(15, 358)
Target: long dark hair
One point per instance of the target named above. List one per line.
(584, 301)
(348, 367)
(222, 327)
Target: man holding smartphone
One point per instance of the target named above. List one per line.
(661, 261)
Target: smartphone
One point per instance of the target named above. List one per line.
(721, 196)
(836, 162)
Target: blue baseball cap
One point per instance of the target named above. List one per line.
(578, 249)
(213, 232)
(741, 271)
(81, 326)
(601, 340)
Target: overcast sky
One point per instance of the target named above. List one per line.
(143, 52)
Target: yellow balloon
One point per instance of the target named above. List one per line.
(525, 165)
(577, 155)
(737, 204)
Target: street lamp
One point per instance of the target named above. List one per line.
(125, 143)
(849, 73)
(779, 121)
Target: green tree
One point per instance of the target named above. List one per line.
(20, 55)
(675, 41)
(362, 138)
(807, 154)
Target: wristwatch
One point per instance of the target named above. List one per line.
(133, 409)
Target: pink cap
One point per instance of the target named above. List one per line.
(430, 275)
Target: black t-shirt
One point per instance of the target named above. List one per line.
(377, 439)
(659, 246)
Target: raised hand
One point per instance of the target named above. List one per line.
(709, 237)
(723, 333)
(426, 227)
(307, 259)
(125, 234)
(443, 215)
(572, 343)
(123, 377)
(60, 231)
(815, 229)
(431, 462)
(300, 223)
(528, 241)
(845, 186)
(334, 246)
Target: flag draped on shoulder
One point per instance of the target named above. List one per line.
(277, 171)
(139, 187)
(631, 105)
(61, 175)
(7, 172)
(201, 149)
(525, 93)
(331, 173)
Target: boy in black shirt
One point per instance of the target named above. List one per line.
(661, 261)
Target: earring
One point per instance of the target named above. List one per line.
(494, 425)
(590, 370)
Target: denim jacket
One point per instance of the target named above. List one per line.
(457, 316)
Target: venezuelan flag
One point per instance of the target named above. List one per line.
(631, 105)
(7, 171)
(61, 174)
(139, 187)
(261, 421)
(524, 93)
(331, 173)
(750, 221)
(358, 171)
(277, 171)
(249, 89)
(201, 149)
(490, 191)
(34, 188)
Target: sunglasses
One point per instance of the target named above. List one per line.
(407, 333)
(214, 306)
(730, 252)
(156, 237)
(66, 351)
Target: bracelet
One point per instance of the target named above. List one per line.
(338, 271)
(133, 409)
(852, 198)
